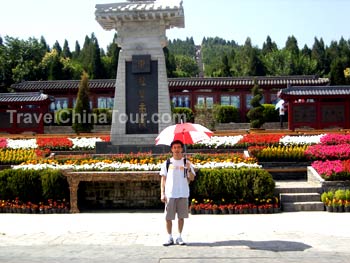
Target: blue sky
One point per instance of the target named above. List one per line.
(228, 19)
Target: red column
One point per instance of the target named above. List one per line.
(290, 117)
(347, 113)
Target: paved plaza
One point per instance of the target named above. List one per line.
(134, 236)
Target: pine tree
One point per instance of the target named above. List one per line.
(76, 52)
(113, 53)
(82, 111)
(268, 46)
(337, 76)
(66, 51)
(256, 113)
(57, 47)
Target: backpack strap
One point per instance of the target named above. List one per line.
(167, 164)
(185, 169)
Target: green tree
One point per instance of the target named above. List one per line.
(82, 110)
(66, 51)
(76, 53)
(226, 70)
(268, 46)
(256, 113)
(170, 63)
(306, 51)
(57, 46)
(186, 66)
(318, 53)
(44, 45)
(337, 76)
(22, 59)
(113, 55)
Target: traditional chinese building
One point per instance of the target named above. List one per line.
(184, 92)
(21, 112)
(318, 107)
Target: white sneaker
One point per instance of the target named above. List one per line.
(169, 242)
(180, 242)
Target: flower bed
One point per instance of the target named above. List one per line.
(137, 162)
(49, 207)
(336, 200)
(259, 207)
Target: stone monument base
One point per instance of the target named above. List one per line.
(132, 143)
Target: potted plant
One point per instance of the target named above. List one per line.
(347, 201)
(215, 209)
(336, 205)
(223, 209)
(347, 206)
(193, 206)
(231, 208)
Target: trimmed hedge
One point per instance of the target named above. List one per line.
(226, 114)
(235, 185)
(33, 185)
(270, 113)
(180, 112)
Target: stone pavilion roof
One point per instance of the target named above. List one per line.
(171, 11)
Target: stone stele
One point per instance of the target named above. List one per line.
(141, 83)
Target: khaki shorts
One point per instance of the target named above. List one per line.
(177, 206)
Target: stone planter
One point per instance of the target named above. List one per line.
(231, 211)
(216, 211)
(329, 208)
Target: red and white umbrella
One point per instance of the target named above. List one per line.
(188, 133)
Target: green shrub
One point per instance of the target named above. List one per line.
(243, 184)
(33, 185)
(339, 194)
(25, 184)
(270, 113)
(256, 113)
(226, 114)
(103, 116)
(183, 113)
(347, 195)
(64, 117)
(324, 197)
(54, 185)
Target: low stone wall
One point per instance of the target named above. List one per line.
(313, 176)
(116, 195)
(246, 126)
(98, 189)
(69, 130)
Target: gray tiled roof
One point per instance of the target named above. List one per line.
(248, 81)
(316, 91)
(23, 97)
(176, 83)
(108, 14)
(63, 85)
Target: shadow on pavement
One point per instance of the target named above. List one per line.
(272, 245)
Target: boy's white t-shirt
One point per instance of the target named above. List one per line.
(176, 184)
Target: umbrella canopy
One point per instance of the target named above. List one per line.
(188, 133)
(279, 104)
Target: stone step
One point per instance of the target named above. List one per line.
(296, 189)
(302, 206)
(299, 197)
